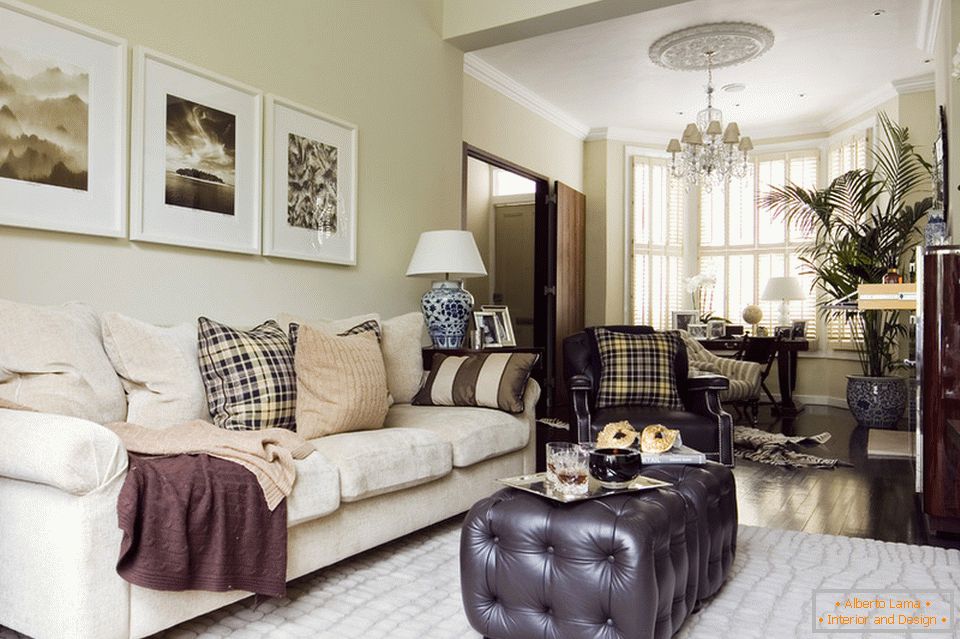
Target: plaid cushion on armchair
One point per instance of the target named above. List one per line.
(638, 369)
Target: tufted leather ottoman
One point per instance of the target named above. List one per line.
(630, 566)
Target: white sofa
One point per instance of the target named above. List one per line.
(60, 477)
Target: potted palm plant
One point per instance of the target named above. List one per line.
(862, 225)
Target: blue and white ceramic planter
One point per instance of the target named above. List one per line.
(446, 309)
(876, 402)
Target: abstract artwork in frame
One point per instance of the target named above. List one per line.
(310, 185)
(63, 124)
(196, 161)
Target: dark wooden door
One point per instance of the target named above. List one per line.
(569, 240)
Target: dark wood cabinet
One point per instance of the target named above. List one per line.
(940, 383)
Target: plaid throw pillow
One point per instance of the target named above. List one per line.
(248, 375)
(370, 326)
(638, 369)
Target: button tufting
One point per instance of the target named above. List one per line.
(611, 559)
(496, 540)
(550, 549)
(609, 622)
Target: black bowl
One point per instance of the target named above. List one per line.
(615, 466)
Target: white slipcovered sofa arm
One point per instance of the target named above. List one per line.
(531, 395)
(74, 455)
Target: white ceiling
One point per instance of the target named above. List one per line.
(836, 52)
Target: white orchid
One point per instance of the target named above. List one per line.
(700, 280)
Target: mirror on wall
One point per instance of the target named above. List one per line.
(500, 213)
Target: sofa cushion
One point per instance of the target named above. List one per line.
(490, 380)
(383, 461)
(248, 375)
(159, 369)
(402, 355)
(401, 343)
(52, 359)
(474, 433)
(341, 383)
(316, 491)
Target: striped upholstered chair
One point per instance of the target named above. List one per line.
(745, 377)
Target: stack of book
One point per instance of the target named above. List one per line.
(676, 455)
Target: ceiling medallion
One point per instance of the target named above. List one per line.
(729, 42)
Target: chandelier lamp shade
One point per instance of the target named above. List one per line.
(448, 257)
(708, 153)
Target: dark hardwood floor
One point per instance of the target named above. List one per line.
(874, 498)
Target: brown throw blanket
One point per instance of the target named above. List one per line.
(196, 522)
(268, 454)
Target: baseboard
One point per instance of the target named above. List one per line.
(820, 400)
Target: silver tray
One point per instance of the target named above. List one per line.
(537, 484)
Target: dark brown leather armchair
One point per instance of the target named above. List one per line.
(703, 425)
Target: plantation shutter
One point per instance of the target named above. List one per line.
(656, 266)
(849, 154)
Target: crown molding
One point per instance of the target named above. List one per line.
(928, 23)
(625, 134)
(915, 84)
(504, 84)
(866, 102)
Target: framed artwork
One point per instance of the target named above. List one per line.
(310, 185)
(486, 323)
(683, 319)
(782, 332)
(798, 330)
(63, 124)
(504, 325)
(716, 329)
(733, 330)
(697, 330)
(196, 164)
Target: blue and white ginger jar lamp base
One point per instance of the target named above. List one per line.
(446, 309)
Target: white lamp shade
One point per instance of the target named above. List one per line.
(783, 288)
(674, 146)
(448, 253)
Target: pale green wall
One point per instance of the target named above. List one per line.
(498, 125)
(379, 65)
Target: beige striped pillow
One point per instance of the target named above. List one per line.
(491, 380)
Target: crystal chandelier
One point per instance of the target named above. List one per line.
(707, 153)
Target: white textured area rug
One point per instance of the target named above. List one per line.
(410, 589)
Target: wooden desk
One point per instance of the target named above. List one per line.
(786, 368)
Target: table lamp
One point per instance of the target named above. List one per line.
(452, 256)
(783, 289)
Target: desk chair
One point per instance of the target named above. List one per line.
(762, 351)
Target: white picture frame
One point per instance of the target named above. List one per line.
(486, 326)
(697, 330)
(292, 132)
(504, 325)
(716, 329)
(84, 188)
(190, 206)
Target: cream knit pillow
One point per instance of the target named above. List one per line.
(341, 383)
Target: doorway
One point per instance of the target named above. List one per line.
(532, 243)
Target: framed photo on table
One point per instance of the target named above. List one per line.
(310, 184)
(196, 157)
(798, 330)
(504, 325)
(681, 320)
(697, 330)
(486, 326)
(716, 329)
(63, 124)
